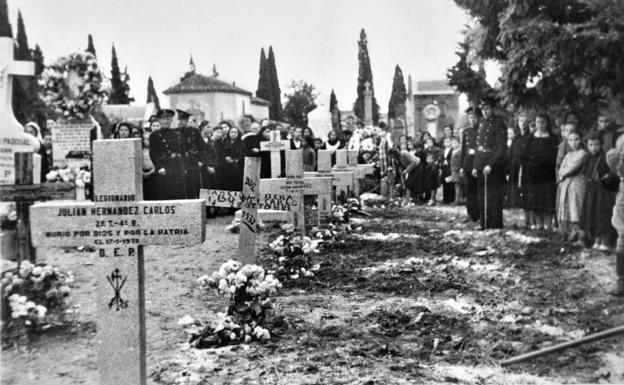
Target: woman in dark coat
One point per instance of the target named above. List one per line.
(233, 161)
(539, 178)
(515, 152)
(253, 149)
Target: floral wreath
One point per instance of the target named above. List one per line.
(55, 88)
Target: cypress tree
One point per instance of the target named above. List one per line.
(275, 109)
(152, 96)
(5, 25)
(364, 74)
(335, 112)
(119, 84)
(264, 89)
(396, 105)
(37, 57)
(90, 46)
(22, 51)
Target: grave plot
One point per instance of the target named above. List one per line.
(410, 296)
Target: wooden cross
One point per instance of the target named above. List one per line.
(119, 223)
(343, 182)
(296, 185)
(275, 146)
(25, 193)
(360, 171)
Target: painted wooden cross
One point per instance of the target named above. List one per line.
(343, 182)
(298, 186)
(24, 192)
(360, 171)
(119, 223)
(275, 146)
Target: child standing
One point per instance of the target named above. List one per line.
(456, 165)
(448, 186)
(572, 185)
(598, 202)
(432, 175)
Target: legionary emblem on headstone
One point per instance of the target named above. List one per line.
(117, 281)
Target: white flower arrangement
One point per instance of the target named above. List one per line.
(291, 254)
(82, 70)
(34, 295)
(249, 289)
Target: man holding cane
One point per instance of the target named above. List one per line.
(489, 166)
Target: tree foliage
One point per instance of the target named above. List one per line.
(264, 87)
(90, 46)
(364, 75)
(468, 80)
(554, 54)
(275, 109)
(334, 110)
(152, 96)
(300, 101)
(120, 87)
(398, 96)
(5, 25)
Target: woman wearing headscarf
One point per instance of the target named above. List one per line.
(332, 144)
(233, 161)
(33, 129)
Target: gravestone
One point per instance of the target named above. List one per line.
(249, 210)
(298, 186)
(233, 199)
(360, 171)
(275, 146)
(12, 137)
(343, 182)
(71, 145)
(119, 223)
(24, 192)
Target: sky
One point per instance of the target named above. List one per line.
(313, 40)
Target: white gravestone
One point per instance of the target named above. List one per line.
(119, 223)
(275, 146)
(296, 185)
(343, 182)
(71, 145)
(12, 137)
(360, 171)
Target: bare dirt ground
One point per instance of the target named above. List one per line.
(417, 296)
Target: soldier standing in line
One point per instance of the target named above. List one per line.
(468, 151)
(489, 166)
(166, 152)
(193, 152)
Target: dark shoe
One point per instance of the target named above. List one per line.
(619, 288)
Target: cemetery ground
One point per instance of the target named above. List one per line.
(418, 295)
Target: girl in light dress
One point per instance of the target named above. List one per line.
(571, 189)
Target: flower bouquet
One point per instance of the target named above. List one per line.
(249, 289)
(81, 177)
(33, 297)
(290, 259)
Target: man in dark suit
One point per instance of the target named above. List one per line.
(193, 152)
(468, 151)
(489, 166)
(166, 152)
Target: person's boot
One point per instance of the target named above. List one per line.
(619, 266)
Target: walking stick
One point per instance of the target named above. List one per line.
(485, 200)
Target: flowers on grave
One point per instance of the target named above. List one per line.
(249, 289)
(81, 177)
(291, 252)
(73, 86)
(33, 298)
(8, 221)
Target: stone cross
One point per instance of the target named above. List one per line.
(249, 211)
(410, 109)
(119, 223)
(343, 182)
(368, 104)
(275, 146)
(298, 186)
(12, 137)
(24, 192)
(360, 171)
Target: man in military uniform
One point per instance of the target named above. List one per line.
(489, 166)
(166, 152)
(468, 151)
(193, 152)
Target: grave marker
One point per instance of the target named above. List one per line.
(343, 182)
(249, 211)
(275, 146)
(296, 185)
(25, 193)
(12, 137)
(119, 223)
(71, 145)
(360, 171)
